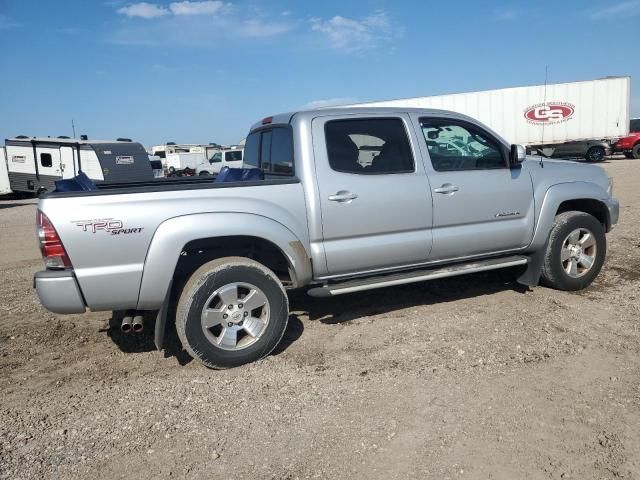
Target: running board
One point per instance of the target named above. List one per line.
(369, 283)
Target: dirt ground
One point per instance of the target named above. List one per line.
(470, 377)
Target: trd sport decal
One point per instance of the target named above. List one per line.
(110, 225)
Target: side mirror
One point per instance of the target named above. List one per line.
(517, 155)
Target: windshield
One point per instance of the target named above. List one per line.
(634, 125)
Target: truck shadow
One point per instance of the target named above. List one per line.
(339, 309)
(143, 342)
(344, 308)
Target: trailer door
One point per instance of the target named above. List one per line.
(68, 162)
(48, 159)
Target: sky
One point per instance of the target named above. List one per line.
(204, 71)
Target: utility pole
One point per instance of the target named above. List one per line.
(73, 127)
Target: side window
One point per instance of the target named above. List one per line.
(46, 160)
(233, 156)
(216, 158)
(454, 146)
(368, 146)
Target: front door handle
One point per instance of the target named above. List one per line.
(446, 188)
(343, 196)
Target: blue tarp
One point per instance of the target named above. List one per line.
(79, 183)
(239, 175)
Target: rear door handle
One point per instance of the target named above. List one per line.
(446, 188)
(343, 196)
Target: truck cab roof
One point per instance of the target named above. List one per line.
(285, 118)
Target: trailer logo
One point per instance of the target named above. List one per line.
(110, 225)
(124, 160)
(549, 113)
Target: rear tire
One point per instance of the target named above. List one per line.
(252, 302)
(595, 154)
(635, 153)
(575, 251)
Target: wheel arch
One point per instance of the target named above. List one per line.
(581, 196)
(181, 244)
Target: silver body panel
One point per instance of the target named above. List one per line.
(397, 221)
(59, 292)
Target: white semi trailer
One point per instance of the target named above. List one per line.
(566, 119)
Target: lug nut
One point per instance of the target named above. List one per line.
(246, 314)
(225, 315)
(229, 324)
(230, 307)
(239, 305)
(240, 323)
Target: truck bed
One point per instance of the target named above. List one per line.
(169, 185)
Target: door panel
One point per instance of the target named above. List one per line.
(480, 206)
(491, 211)
(372, 220)
(48, 159)
(68, 162)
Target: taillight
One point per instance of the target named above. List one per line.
(51, 247)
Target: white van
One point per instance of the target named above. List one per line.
(219, 158)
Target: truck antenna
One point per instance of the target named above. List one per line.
(73, 127)
(544, 102)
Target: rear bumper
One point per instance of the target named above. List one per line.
(58, 291)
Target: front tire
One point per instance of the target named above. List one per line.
(635, 152)
(232, 311)
(575, 251)
(595, 154)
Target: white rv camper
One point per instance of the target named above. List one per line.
(35, 164)
(4, 176)
(163, 150)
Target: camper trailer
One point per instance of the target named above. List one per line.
(171, 147)
(34, 164)
(4, 178)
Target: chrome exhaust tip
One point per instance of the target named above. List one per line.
(125, 326)
(138, 324)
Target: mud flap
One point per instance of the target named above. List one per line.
(161, 320)
(531, 276)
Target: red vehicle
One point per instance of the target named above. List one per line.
(630, 145)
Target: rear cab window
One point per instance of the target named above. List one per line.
(270, 149)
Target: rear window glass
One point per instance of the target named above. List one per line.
(271, 150)
(252, 151)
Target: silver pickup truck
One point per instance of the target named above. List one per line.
(351, 200)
